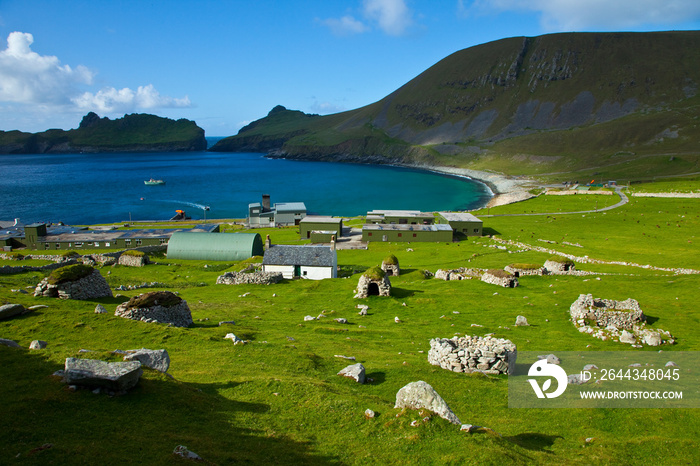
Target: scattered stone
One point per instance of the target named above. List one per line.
(349, 358)
(154, 359)
(249, 278)
(234, 339)
(397, 320)
(521, 321)
(369, 414)
(226, 322)
(417, 395)
(627, 337)
(355, 371)
(590, 367)
(118, 376)
(184, 452)
(551, 359)
(652, 339)
(10, 343)
(309, 318)
(100, 309)
(37, 344)
(671, 364)
(10, 310)
(37, 307)
(341, 320)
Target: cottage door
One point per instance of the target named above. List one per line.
(297, 271)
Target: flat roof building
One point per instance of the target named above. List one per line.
(405, 233)
(462, 223)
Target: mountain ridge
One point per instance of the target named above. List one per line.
(564, 102)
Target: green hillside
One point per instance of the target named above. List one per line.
(135, 132)
(568, 104)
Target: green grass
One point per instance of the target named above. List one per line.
(278, 399)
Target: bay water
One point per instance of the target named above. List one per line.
(106, 188)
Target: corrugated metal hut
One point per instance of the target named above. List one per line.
(215, 246)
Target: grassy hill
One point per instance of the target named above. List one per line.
(278, 399)
(135, 132)
(566, 104)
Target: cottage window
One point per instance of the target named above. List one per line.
(47, 245)
(414, 235)
(127, 242)
(369, 234)
(107, 244)
(58, 245)
(400, 235)
(138, 242)
(163, 241)
(97, 243)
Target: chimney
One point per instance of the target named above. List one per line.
(268, 242)
(266, 202)
(333, 243)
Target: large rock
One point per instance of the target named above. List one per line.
(10, 343)
(154, 359)
(417, 395)
(355, 371)
(158, 306)
(11, 310)
(118, 376)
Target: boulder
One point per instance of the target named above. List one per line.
(234, 339)
(154, 359)
(627, 337)
(117, 376)
(10, 310)
(521, 321)
(10, 343)
(417, 395)
(652, 339)
(100, 309)
(355, 371)
(38, 344)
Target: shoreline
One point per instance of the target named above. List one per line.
(505, 189)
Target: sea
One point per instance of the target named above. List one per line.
(82, 189)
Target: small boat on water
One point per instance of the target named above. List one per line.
(153, 182)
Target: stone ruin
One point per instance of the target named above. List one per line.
(623, 321)
(390, 265)
(559, 266)
(162, 307)
(461, 273)
(467, 354)
(500, 278)
(249, 278)
(374, 282)
(519, 270)
(90, 286)
(133, 260)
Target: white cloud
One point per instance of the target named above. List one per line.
(344, 26)
(29, 78)
(326, 108)
(577, 15)
(111, 100)
(38, 82)
(393, 16)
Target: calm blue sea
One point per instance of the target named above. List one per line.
(105, 188)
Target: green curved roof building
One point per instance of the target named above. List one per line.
(215, 246)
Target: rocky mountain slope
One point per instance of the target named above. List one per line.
(132, 133)
(565, 103)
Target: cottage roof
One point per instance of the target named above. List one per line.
(459, 217)
(405, 227)
(290, 207)
(321, 219)
(314, 256)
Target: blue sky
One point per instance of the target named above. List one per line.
(226, 63)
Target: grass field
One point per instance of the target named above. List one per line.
(278, 399)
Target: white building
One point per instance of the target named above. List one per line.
(312, 262)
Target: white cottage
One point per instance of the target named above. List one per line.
(312, 262)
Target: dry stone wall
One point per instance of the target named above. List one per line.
(504, 279)
(473, 354)
(249, 278)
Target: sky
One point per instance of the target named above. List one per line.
(224, 64)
